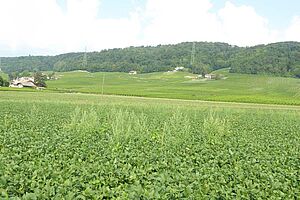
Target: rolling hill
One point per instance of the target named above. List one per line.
(280, 59)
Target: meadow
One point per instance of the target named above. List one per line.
(234, 87)
(88, 146)
(180, 85)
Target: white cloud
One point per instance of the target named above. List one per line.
(173, 21)
(293, 32)
(241, 25)
(43, 27)
(25, 23)
(83, 28)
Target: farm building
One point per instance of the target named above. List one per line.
(23, 82)
(178, 69)
(132, 72)
(210, 76)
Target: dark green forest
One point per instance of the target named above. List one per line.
(281, 59)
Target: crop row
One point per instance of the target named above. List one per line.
(60, 151)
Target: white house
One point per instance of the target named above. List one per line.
(178, 69)
(132, 72)
(210, 76)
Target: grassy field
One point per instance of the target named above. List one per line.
(87, 146)
(235, 88)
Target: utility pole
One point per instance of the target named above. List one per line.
(103, 79)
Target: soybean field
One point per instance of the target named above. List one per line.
(85, 146)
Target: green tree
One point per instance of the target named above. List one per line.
(25, 73)
(40, 79)
(51, 75)
(13, 75)
(5, 83)
(60, 66)
(296, 72)
(200, 69)
(1, 81)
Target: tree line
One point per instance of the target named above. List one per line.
(282, 59)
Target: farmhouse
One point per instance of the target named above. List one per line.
(210, 76)
(132, 72)
(23, 82)
(178, 69)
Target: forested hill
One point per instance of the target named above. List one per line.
(279, 58)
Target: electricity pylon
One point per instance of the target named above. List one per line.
(193, 54)
(85, 59)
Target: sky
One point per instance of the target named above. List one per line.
(51, 27)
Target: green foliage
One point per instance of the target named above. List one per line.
(40, 79)
(25, 73)
(278, 58)
(3, 82)
(199, 68)
(296, 72)
(58, 146)
(52, 76)
(13, 75)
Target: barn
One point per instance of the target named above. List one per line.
(23, 82)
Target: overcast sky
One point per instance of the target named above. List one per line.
(48, 27)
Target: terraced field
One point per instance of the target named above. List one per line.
(68, 146)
